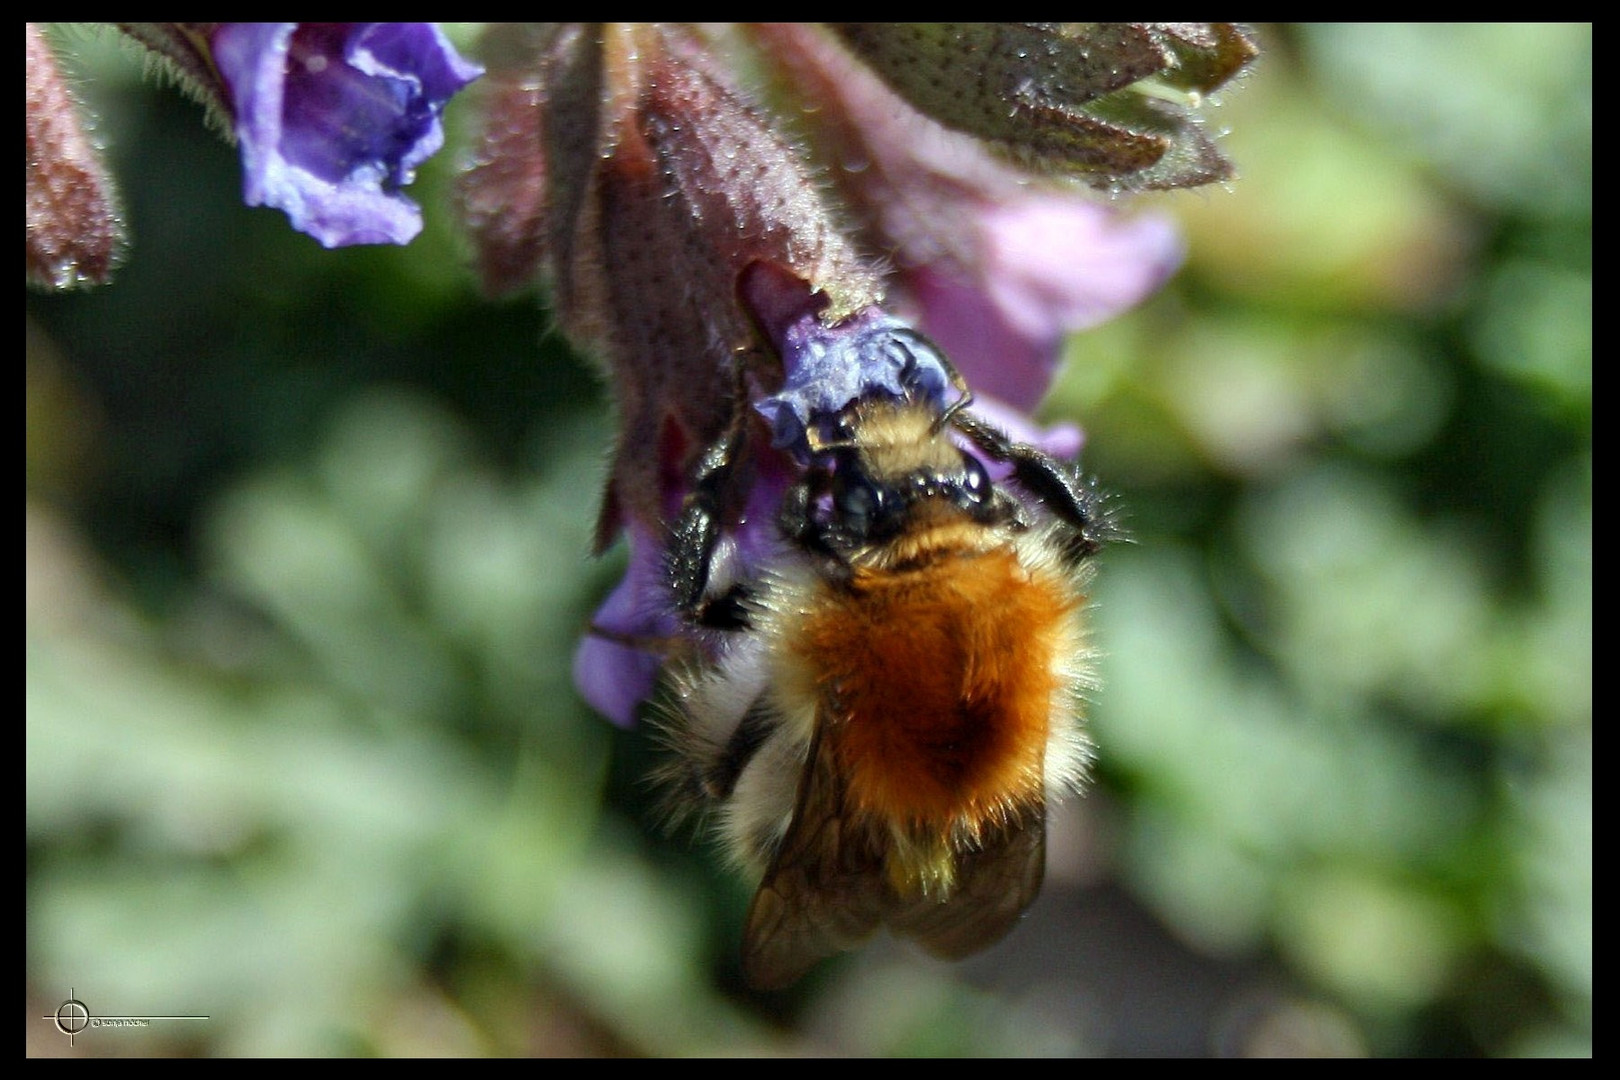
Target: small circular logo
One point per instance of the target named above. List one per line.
(72, 1017)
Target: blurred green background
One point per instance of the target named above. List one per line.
(306, 540)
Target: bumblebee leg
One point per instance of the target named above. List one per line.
(1064, 492)
(696, 532)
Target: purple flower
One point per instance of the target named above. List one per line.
(703, 258)
(997, 269)
(1047, 265)
(613, 673)
(828, 367)
(334, 118)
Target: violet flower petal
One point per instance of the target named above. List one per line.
(1051, 264)
(611, 676)
(334, 118)
(827, 367)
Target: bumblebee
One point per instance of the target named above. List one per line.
(893, 694)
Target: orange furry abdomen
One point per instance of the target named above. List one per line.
(937, 686)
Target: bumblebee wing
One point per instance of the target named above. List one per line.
(824, 892)
(995, 882)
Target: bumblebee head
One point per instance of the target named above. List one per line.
(890, 471)
(869, 506)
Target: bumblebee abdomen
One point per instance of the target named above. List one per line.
(939, 686)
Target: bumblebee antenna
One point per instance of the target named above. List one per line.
(963, 400)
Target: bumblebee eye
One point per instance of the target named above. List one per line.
(857, 501)
(975, 484)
